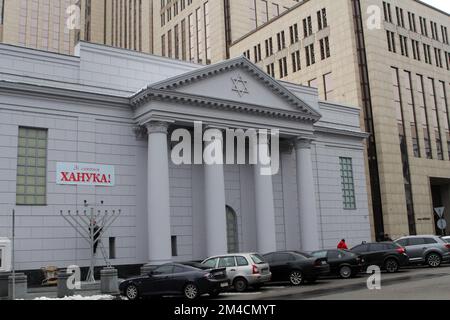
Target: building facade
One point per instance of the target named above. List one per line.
(90, 110)
(392, 58)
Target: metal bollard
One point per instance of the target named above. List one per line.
(109, 281)
(63, 289)
(20, 286)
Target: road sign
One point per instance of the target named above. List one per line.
(439, 211)
(442, 224)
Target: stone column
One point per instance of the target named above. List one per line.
(265, 209)
(159, 232)
(306, 196)
(215, 205)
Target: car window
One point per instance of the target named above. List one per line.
(257, 259)
(402, 242)
(241, 261)
(211, 262)
(166, 269)
(299, 256)
(361, 248)
(227, 262)
(180, 269)
(416, 241)
(268, 257)
(429, 240)
(282, 257)
(377, 247)
(335, 254)
(320, 254)
(446, 240)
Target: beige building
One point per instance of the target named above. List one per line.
(57, 25)
(202, 30)
(397, 69)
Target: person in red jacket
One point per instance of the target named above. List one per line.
(342, 245)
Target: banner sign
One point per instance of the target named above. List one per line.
(85, 174)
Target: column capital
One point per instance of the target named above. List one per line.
(157, 127)
(303, 143)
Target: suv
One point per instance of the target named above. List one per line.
(431, 250)
(243, 269)
(387, 255)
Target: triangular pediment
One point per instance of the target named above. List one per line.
(240, 81)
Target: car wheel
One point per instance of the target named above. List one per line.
(191, 291)
(240, 284)
(434, 260)
(345, 272)
(296, 278)
(132, 292)
(391, 265)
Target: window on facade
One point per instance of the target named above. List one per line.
(282, 64)
(191, 38)
(415, 49)
(347, 182)
(269, 47)
(438, 57)
(423, 26)
(434, 31)
(328, 86)
(232, 231)
(412, 21)
(431, 90)
(322, 19)
(271, 69)
(206, 19)
(183, 39)
(169, 43)
(324, 48)
(421, 103)
(447, 60)
(198, 25)
(1, 11)
(427, 53)
(174, 245)
(387, 11)
(296, 61)
(400, 19)
(163, 45)
(281, 40)
(31, 167)
(310, 55)
(391, 41)
(444, 35)
(404, 46)
(411, 111)
(307, 27)
(293, 30)
(442, 97)
(258, 53)
(177, 42)
(112, 248)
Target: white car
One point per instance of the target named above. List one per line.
(243, 269)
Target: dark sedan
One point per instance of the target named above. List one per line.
(296, 267)
(343, 263)
(189, 280)
(388, 256)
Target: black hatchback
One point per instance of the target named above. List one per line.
(388, 256)
(173, 279)
(343, 263)
(296, 267)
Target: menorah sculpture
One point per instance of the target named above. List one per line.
(91, 224)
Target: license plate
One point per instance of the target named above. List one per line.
(219, 273)
(224, 284)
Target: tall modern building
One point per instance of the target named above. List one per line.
(392, 58)
(202, 31)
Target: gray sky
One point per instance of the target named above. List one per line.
(444, 5)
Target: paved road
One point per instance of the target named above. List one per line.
(413, 283)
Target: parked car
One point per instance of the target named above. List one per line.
(186, 280)
(243, 269)
(296, 267)
(430, 250)
(446, 239)
(388, 256)
(342, 263)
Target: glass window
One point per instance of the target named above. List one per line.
(180, 269)
(211, 262)
(166, 269)
(241, 261)
(347, 182)
(31, 166)
(429, 240)
(226, 262)
(361, 248)
(269, 257)
(282, 257)
(377, 247)
(416, 241)
(402, 242)
(320, 254)
(257, 258)
(335, 254)
(232, 231)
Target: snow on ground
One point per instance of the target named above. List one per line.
(78, 297)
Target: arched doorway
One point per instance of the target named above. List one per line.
(232, 231)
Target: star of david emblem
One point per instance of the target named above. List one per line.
(240, 86)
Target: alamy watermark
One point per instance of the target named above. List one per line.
(227, 146)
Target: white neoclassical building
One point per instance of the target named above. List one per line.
(114, 112)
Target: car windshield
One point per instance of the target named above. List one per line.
(304, 254)
(257, 259)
